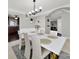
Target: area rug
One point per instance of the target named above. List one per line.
(19, 53)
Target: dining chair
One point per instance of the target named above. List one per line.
(37, 51)
(21, 40)
(27, 53)
(25, 41)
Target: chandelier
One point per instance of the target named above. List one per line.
(35, 10)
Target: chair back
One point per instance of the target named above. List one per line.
(21, 38)
(36, 48)
(27, 46)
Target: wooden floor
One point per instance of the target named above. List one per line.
(13, 37)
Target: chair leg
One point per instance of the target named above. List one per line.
(31, 54)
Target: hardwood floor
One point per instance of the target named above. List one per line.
(13, 33)
(12, 37)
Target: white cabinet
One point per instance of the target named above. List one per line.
(59, 25)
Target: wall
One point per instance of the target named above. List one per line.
(25, 22)
(42, 21)
(66, 24)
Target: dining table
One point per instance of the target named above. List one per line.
(49, 41)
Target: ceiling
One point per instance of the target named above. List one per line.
(24, 6)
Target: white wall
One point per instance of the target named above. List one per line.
(25, 22)
(66, 24)
(42, 21)
(59, 25)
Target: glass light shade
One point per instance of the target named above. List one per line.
(40, 8)
(16, 17)
(30, 13)
(36, 10)
(33, 11)
(31, 21)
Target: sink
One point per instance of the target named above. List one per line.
(45, 41)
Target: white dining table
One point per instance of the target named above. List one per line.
(56, 44)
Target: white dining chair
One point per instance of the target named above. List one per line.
(21, 38)
(27, 46)
(25, 37)
(37, 51)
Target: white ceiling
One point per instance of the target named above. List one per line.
(24, 6)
